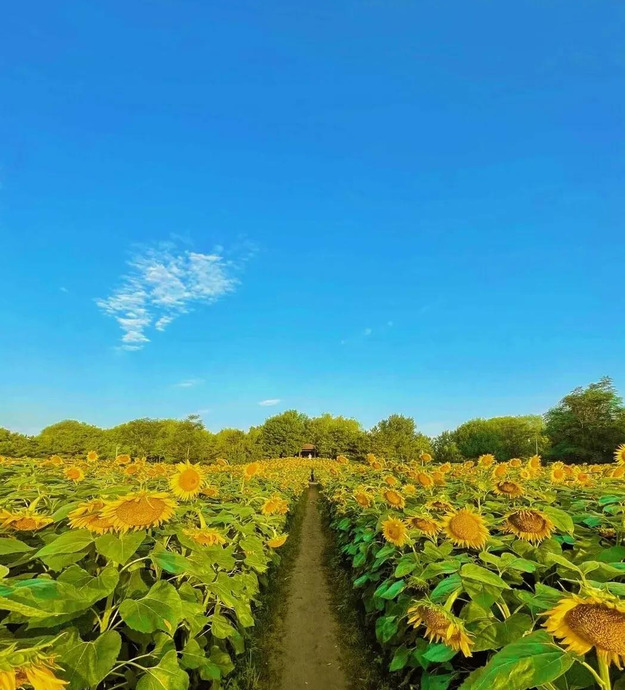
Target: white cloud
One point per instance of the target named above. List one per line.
(189, 383)
(63, 289)
(367, 331)
(163, 283)
(270, 402)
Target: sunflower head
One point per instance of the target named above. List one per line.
(424, 523)
(466, 528)
(409, 489)
(92, 456)
(425, 480)
(210, 491)
(440, 626)
(500, 470)
(205, 537)
(123, 459)
(486, 460)
(508, 488)
(395, 531)
(390, 480)
(584, 622)
(24, 520)
(277, 541)
(74, 473)
(222, 462)
(515, 462)
(187, 481)
(619, 454)
(29, 668)
(363, 498)
(139, 510)
(252, 470)
(425, 457)
(529, 525)
(394, 498)
(275, 506)
(88, 515)
(557, 475)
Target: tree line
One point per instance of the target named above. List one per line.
(585, 426)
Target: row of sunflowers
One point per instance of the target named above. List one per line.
(130, 574)
(489, 575)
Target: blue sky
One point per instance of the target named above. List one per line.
(361, 207)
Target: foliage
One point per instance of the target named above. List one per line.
(505, 437)
(587, 424)
(396, 438)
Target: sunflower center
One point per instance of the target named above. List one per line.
(141, 512)
(189, 480)
(528, 521)
(598, 625)
(434, 620)
(508, 487)
(393, 531)
(26, 523)
(465, 526)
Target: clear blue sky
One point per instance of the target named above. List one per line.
(361, 207)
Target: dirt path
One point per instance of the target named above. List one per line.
(310, 652)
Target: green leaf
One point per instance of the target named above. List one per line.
(560, 518)
(169, 561)
(490, 633)
(400, 658)
(439, 653)
(385, 628)
(396, 588)
(167, 675)
(221, 627)
(159, 609)
(10, 545)
(193, 656)
(527, 663)
(68, 542)
(86, 664)
(119, 548)
(470, 571)
(406, 565)
(445, 587)
(543, 599)
(435, 682)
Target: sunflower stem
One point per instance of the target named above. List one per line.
(598, 678)
(604, 671)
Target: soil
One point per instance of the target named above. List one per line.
(309, 651)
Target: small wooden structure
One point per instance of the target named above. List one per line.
(309, 450)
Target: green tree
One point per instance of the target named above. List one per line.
(445, 448)
(16, 445)
(73, 438)
(587, 424)
(336, 435)
(397, 438)
(140, 437)
(284, 434)
(183, 439)
(505, 437)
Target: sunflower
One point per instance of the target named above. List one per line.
(595, 621)
(515, 462)
(376, 465)
(56, 460)
(486, 460)
(466, 528)
(425, 524)
(529, 525)
(394, 498)
(425, 480)
(508, 488)
(277, 541)
(88, 515)
(425, 457)
(131, 470)
(445, 467)
(618, 472)
(205, 537)
(557, 475)
(251, 470)
(438, 477)
(123, 459)
(500, 470)
(275, 506)
(139, 510)
(187, 481)
(410, 489)
(439, 505)
(24, 520)
(74, 473)
(92, 456)
(395, 531)
(390, 480)
(210, 491)
(30, 670)
(342, 460)
(440, 626)
(607, 532)
(583, 479)
(619, 454)
(363, 498)
(222, 462)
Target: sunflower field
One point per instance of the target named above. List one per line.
(128, 574)
(486, 575)
(481, 576)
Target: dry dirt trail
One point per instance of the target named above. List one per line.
(310, 643)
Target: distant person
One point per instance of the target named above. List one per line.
(312, 476)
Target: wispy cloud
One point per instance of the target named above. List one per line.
(188, 383)
(367, 331)
(161, 284)
(63, 289)
(270, 402)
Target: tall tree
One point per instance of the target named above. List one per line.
(74, 438)
(445, 448)
(505, 437)
(284, 434)
(587, 424)
(337, 435)
(397, 438)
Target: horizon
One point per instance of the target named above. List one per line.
(363, 209)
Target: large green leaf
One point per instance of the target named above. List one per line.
(159, 609)
(560, 518)
(119, 548)
(471, 571)
(11, 545)
(68, 542)
(527, 663)
(490, 633)
(86, 664)
(166, 675)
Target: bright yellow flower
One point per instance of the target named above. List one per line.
(74, 473)
(24, 520)
(252, 469)
(275, 506)
(425, 480)
(440, 626)
(363, 498)
(88, 515)
(123, 459)
(277, 541)
(466, 528)
(205, 537)
(187, 481)
(486, 460)
(509, 489)
(593, 621)
(395, 531)
(425, 524)
(619, 454)
(529, 525)
(394, 498)
(138, 511)
(92, 456)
